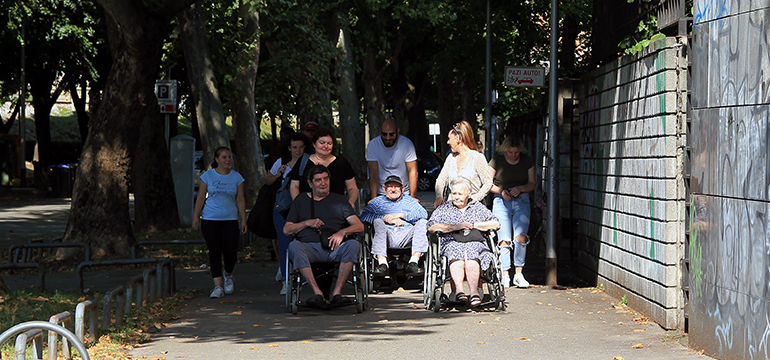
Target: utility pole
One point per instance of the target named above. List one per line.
(488, 97)
(553, 156)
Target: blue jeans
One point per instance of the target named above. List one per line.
(283, 240)
(514, 221)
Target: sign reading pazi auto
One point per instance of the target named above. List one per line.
(524, 76)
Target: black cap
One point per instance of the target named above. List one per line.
(395, 179)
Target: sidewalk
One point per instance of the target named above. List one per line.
(540, 323)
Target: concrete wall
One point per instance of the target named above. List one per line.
(729, 244)
(630, 200)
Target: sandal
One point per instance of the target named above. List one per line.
(475, 300)
(461, 297)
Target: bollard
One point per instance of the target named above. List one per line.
(53, 338)
(80, 310)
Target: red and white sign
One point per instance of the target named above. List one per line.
(524, 76)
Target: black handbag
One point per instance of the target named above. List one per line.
(468, 235)
(260, 219)
(325, 232)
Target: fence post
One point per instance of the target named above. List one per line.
(116, 292)
(36, 335)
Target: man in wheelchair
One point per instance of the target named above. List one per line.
(314, 218)
(399, 221)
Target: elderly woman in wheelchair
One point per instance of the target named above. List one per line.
(460, 223)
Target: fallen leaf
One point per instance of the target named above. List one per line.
(559, 309)
(239, 333)
(164, 352)
(248, 302)
(272, 345)
(481, 322)
(239, 312)
(400, 289)
(524, 339)
(281, 353)
(306, 342)
(415, 323)
(538, 303)
(158, 358)
(257, 325)
(415, 307)
(638, 346)
(481, 343)
(228, 301)
(618, 358)
(383, 320)
(640, 330)
(253, 348)
(557, 294)
(701, 352)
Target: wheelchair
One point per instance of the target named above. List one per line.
(325, 274)
(438, 277)
(396, 257)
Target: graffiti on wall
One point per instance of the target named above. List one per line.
(729, 243)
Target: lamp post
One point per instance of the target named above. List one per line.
(553, 156)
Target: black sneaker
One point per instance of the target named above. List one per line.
(381, 269)
(412, 268)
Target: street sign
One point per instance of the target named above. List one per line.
(165, 91)
(524, 76)
(434, 129)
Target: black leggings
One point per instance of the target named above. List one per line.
(222, 241)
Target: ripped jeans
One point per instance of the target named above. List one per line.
(514, 221)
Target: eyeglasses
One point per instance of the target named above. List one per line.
(386, 134)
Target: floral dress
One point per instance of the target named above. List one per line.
(474, 212)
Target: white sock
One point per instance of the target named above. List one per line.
(414, 259)
(381, 261)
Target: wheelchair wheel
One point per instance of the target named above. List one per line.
(293, 293)
(436, 300)
(360, 300)
(431, 274)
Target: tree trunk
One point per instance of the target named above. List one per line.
(203, 83)
(467, 100)
(43, 101)
(446, 107)
(79, 102)
(373, 94)
(155, 207)
(99, 214)
(353, 145)
(248, 155)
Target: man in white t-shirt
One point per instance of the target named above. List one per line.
(391, 154)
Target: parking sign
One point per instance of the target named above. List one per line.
(524, 76)
(165, 91)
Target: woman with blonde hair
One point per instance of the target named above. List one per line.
(514, 176)
(464, 162)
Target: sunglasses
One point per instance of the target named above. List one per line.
(386, 134)
(457, 130)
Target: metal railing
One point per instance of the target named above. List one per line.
(33, 331)
(118, 294)
(89, 264)
(62, 318)
(80, 313)
(40, 271)
(19, 253)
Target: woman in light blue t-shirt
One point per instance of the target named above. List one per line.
(220, 201)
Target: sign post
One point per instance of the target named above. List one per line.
(165, 91)
(524, 76)
(434, 129)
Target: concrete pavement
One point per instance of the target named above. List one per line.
(542, 323)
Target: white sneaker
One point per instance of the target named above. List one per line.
(217, 292)
(283, 288)
(229, 284)
(506, 280)
(519, 281)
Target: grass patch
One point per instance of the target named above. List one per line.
(24, 305)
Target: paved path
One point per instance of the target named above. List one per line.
(541, 323)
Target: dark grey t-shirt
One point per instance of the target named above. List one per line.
(507, 175)
(333, 210)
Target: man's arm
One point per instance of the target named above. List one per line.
(356, 226)
(411, 167)
(374, 178)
